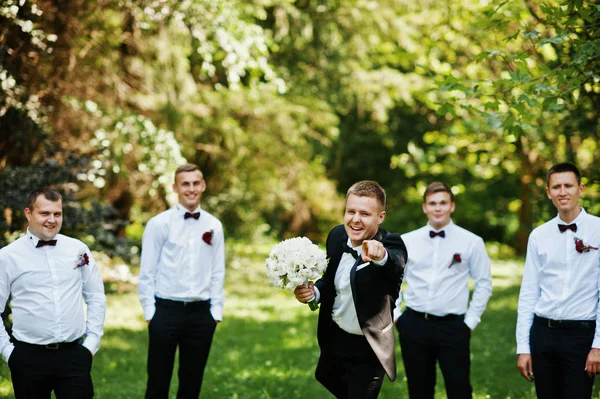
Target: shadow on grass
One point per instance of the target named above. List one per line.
(276, 357)
(493, 362)
(272, 359)
(494, 371)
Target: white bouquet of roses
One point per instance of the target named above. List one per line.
(294, 262)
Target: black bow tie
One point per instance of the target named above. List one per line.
(42, 243)
(439, 233)
(188, 215)
(565, 227)
(351, 251)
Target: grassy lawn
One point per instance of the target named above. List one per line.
(266, 346)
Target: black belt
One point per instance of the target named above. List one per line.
(429, 316)
(572, 324)
(54, 346)
(184, 304)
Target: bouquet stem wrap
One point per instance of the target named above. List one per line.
(312, 304)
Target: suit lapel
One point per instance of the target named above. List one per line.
(378, 236)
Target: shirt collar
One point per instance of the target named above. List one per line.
(34, 239)
(182, 210)
(578, 219)
(357, 249)
(447, 227)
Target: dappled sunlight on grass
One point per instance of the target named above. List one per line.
(507, 273)
(504, 299)
(266, 346)
(116, 342)
(280, 304)
(124, 311)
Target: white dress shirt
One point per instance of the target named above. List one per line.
(46, 291)
(177, 264)
(435, 285)
(560, 283)
(344, 311)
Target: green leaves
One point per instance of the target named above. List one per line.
(531, 34)
(284, 102)
(559, 39)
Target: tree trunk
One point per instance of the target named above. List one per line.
(526, 211)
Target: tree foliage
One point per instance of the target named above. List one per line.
(543, 96)
(284, 104)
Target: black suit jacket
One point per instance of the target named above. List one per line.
(374, 289)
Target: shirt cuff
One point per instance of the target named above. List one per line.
(596, 343)
(523, 349)
(216, 312)
(149, 312)
(7, 351)
(471, 322)
(92, 343)
(383, 260)
(317, 294)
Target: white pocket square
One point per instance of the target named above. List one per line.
(362, 266)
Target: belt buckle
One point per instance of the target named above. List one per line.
(52, 346)
(426, 316)
(550, 325)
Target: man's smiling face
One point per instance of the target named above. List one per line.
(564, 191)
(189, 187)
(45, 218)
(438, 207)
(362, 218)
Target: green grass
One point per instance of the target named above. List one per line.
(266, 346)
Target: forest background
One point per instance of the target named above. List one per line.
(284, 104)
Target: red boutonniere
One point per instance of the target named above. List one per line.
(82, 260)
(455, 259)
(581, 247)
(207, 237)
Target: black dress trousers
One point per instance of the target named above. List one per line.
(425, 342)
(37, 370)
(351, 370)
(558, 356)
(189, 326)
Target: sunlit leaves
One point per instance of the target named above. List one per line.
(129, 144)
(225, 36)
(25, 16)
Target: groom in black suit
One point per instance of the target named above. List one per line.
(357, 295)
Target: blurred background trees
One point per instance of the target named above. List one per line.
(284, 104)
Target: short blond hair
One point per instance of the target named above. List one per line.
(188, 167)
(368, 188)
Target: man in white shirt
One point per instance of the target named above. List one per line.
(357, 294)
(46, 275)
(181, 287)
(558, 340)
(436, 324)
